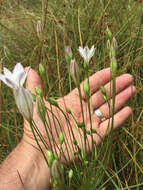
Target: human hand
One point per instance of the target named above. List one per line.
(124, 91)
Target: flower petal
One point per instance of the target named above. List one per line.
(24, 102)
(7, 73)
(18, 69)
(82, 52)
(23, 76)
(7, 82)
(91, 52)
(19, 74)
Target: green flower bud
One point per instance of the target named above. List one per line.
(41, 109)
(114, 43)
(106, 98)
(108, 45)
(70, 174)
(42, 70)
(53, 101)
(50, 158)
(38, 91)
(68, 110)
(103, 90)
(86, 89)
(88, 132)
(61, 138)
(94, 131)
(80, 124)
(74, 142)
(75, 153)
(109, 34)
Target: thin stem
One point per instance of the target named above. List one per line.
(31, 125)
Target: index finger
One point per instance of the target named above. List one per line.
(96, 81)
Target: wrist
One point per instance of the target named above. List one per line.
(41, 171)
(24, 168)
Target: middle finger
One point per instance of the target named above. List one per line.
(122, 82)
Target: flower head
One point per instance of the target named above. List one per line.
(24, 102)
(86, 53)
(16, 78)
(23, 97)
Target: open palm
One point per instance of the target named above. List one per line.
(58, 123)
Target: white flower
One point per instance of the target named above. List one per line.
(23, 97)
(86, 53)
(16, 78)
(24, 102)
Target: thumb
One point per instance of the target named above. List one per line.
(33, 80)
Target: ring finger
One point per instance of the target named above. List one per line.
(120, 100)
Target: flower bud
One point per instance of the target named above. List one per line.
(80, 124)
(88, 132)
(53, 102)
(41, 109)
(50, 158)
(39, 29)
(93, 131)
(114, 43)
(109, 34)
(74, 142)
(42, 71)
(74, 71)
(108, 44)
(38, 91)
(86, 90)
(70, 174)
(68, 110)
(68, 53)
(103, 90)
(61, 138)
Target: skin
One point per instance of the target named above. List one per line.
(25, 167)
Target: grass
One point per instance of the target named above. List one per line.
(77, 23)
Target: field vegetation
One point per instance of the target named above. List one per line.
(77, 23)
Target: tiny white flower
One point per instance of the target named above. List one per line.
(16, 78)
(86, 53)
